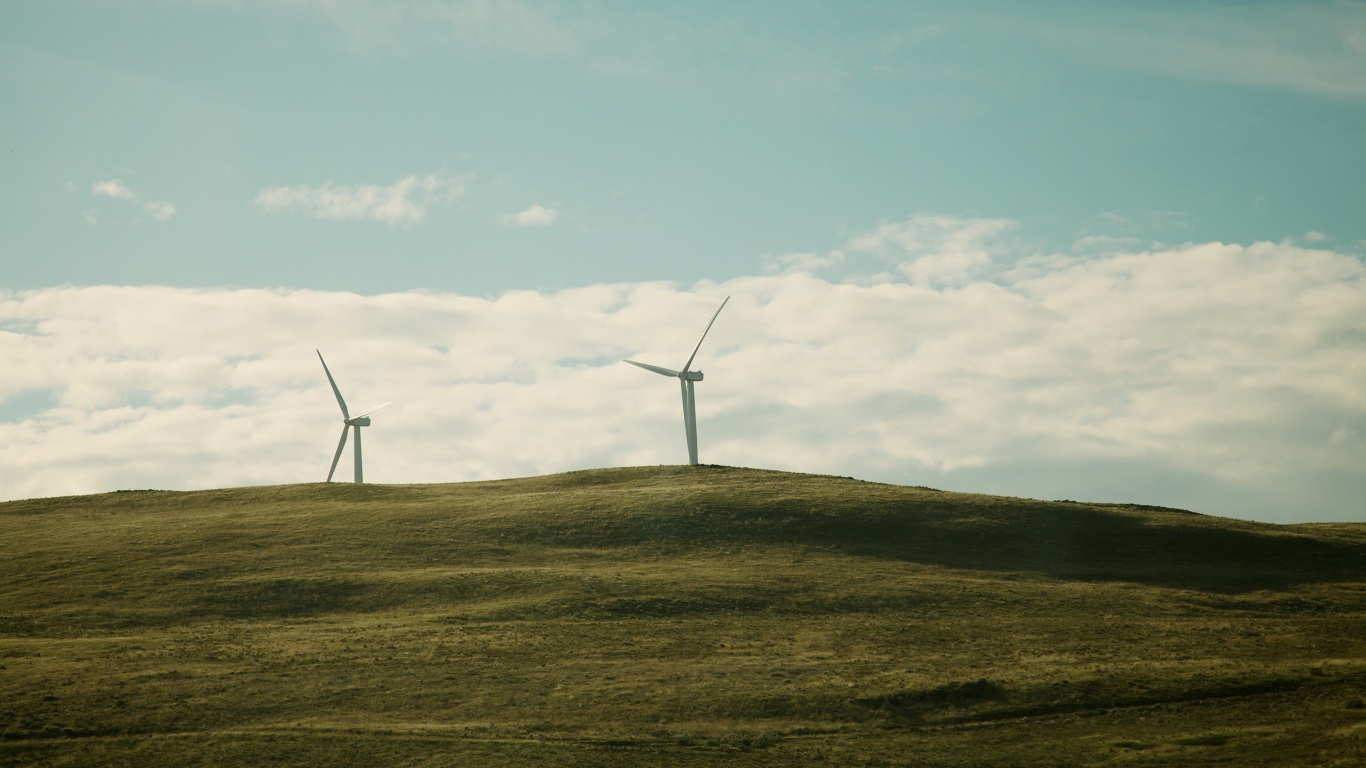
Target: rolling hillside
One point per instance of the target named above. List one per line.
(671, 615)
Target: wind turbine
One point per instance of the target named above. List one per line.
(348, 422)
(685, 379)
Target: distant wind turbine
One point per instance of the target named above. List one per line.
(348, 422)
(685, 379)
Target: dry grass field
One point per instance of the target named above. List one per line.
(692, 616)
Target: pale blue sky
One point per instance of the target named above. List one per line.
(1100, 250)
(675, 141)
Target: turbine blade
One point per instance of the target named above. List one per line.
(655, 368)
(688, 365)
(337, 456)
(335, 391)
(372, 410)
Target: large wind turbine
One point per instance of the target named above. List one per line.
(348, 422)
(685, 380)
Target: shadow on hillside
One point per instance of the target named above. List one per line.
(1084, 543)
(1064, 540)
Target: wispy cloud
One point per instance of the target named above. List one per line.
(1314, 47)
(116, 189)
(535, 216)
(498, 26)
(810, 261)
(930, 250)
(1224, 378)
(940, 250)
(159, 209)
(403, 202)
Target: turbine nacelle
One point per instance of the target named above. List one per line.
(690, 375)
(362, 421)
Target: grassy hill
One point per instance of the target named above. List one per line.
(672, 616)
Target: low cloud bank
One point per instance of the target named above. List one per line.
(1227, 379)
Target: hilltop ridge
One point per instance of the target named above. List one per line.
(692, 615)
(681, 507)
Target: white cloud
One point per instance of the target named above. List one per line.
(939, 250)
(810, 261)
(160, 210)
(114, 188)
(931, 250)
(403, 202)
(535, 216)
(1105, 244)
(1223, 378)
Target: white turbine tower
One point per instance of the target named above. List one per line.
(685, 379)
(348, 422)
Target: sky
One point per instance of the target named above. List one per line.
(1104, 251)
